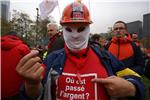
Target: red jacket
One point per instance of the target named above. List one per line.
(12, 50)
(127, 52)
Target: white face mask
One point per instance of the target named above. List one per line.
(76, 38)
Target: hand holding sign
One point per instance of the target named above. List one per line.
(116, 86)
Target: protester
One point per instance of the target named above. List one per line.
(56, 41)
(98, 39)
(12, 50)
(134, 37)
(122, 47)
(79, 71)
(95, 39)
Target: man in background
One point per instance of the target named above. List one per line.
(56, 41)
(123, 48)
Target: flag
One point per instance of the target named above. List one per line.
(46, 7)
(78, 1)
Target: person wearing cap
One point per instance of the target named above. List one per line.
(13, 48)
(79, 71)
(123, 48)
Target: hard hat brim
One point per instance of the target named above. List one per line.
(76, 21)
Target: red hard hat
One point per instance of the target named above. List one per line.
(76, 13)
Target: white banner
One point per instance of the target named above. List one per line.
(46, 7)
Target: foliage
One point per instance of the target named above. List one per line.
(32, 32)
(20, 22)
(41, 30)
(5, 27)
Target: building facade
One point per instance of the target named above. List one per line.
(136, 27)
(5, 10)
(146, 25)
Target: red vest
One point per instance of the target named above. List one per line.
(75, 81)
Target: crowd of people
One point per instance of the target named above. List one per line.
(73, 66)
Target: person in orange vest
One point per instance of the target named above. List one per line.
(79, 71)
(123, 48)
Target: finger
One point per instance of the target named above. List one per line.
(101, 80)
(110, 77)
(38, 73)
(34, 68)
(29, 64)
(33, 53)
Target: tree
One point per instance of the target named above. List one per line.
(32, 32)
(41, 30)
(20, 23)
(109, 33)
(5, 27)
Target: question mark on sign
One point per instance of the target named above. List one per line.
(87, 96)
